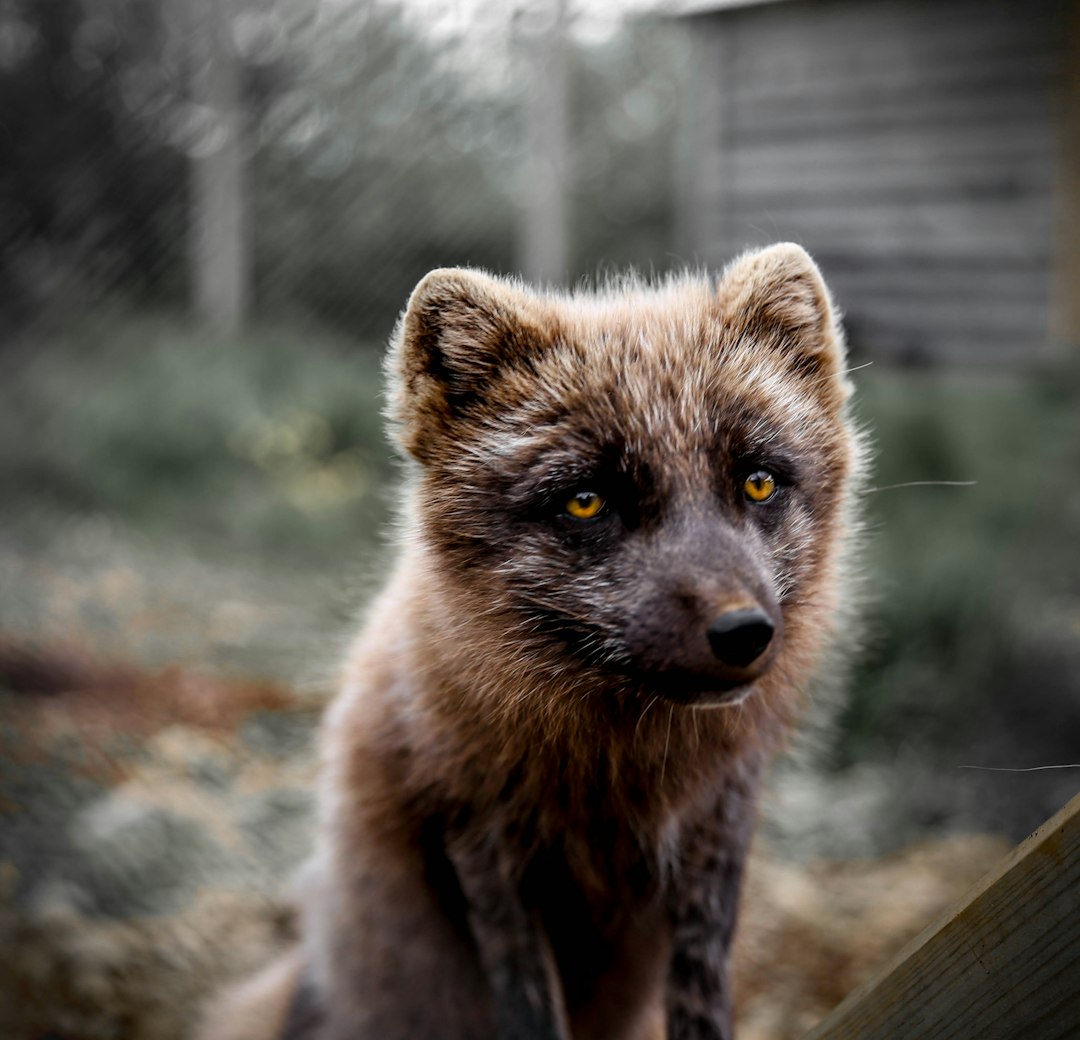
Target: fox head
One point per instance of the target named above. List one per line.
(645, 487)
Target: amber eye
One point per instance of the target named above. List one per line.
(760, 486)
(584, 505)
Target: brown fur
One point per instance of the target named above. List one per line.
(537, 792)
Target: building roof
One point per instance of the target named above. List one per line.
(689, 8)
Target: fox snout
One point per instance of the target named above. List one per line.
(688, 654)
(705, 625)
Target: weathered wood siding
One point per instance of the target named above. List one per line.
(914, 147)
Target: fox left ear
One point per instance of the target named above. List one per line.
(460, 330)
(777, 296)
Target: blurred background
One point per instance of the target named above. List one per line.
(211, 212)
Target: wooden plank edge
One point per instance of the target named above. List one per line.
(866, 993)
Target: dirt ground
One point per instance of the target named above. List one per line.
(156, 805)
(152, 822)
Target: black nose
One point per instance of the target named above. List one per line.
(740, 637)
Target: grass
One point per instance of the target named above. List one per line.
(272, 441)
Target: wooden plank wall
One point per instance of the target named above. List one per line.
(913, 147)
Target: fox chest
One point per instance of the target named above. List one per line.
(609, 941)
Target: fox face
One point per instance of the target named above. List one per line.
(640, 489)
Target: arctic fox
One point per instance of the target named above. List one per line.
(624, 551)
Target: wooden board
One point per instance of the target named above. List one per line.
(1004, 964)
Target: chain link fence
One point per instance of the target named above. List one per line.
(321, 155)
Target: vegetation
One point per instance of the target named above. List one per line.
(972, 656)
(273, 440)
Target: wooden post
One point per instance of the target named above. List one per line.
(1004, 964)
(218, 232)
(1066, 318)
(543, 228)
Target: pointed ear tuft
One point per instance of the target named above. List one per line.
(459, 329)
(777, 296)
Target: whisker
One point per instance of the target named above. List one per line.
(922, 483)
(637, 726)
(1026, 769)
(667, 742)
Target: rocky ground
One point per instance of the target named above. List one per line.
(150, 825)
(151, 822)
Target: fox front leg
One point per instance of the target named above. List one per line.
(514, 950)
(703, 904)
(390, 954)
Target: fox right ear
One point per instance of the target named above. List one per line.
(459, 330)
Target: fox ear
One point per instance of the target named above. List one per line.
(777, 296)
(459, 330)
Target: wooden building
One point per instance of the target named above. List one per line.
(925, 151)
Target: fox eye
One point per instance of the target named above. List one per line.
(584, 505)
(760, 486)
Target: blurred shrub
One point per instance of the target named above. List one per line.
(974, 638)
(271, 441)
